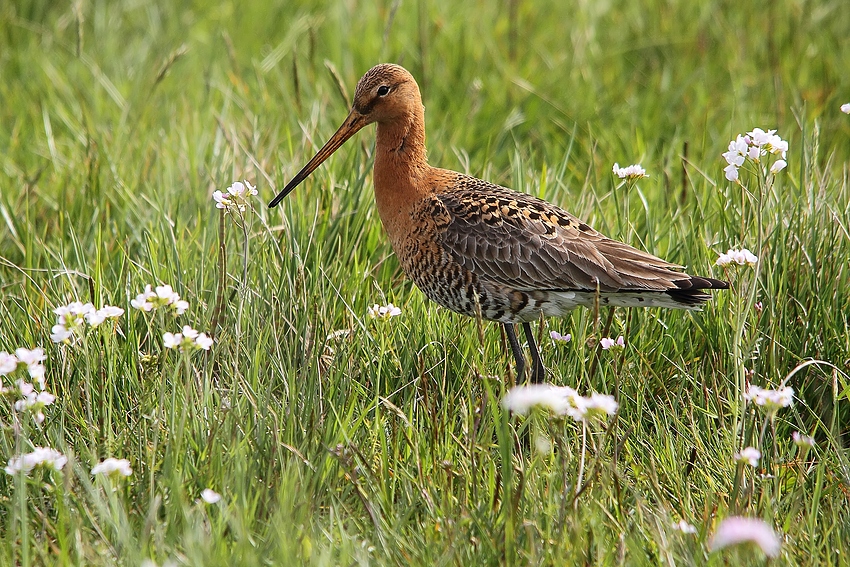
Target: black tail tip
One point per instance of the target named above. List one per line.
(689, 291)
(697, 282)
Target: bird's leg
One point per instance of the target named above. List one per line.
(538, 372)
(516, 349)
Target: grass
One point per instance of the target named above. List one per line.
(386, 443)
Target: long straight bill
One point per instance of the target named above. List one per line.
(350, 126)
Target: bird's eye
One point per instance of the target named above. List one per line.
(383, 90)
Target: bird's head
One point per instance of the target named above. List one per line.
(386, 93)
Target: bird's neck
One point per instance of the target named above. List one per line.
(401, 142)
(401, 169)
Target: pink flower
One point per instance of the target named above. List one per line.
(236, 197)
(749, 456)
(559, 338)
(803, 441)
(608, 342)
(735, 530)
(210, 496)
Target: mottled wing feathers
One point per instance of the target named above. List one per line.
(528, 244)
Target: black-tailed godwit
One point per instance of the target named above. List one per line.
(478, 248)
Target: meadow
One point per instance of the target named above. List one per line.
(324, 436)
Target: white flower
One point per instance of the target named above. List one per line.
(778, 146)
(595, 406)
(749, 456)
(559, 338)
(203, 341)
(141, 303)
(40, 457)
(222, 200)
(754, 153)
(37, 372)
(740, 257)
(170, 340)
(735, 530)
(32, 357)
(684, 527)
(39, 379)
(521, 399)
(737, 152)
(112, 466)
(759, 137)
(803, 441)
(778, 166)
(33, 402)
(25, 388)
(112, 311)
(161, 296)
(383, 311)
(770, 400)
(190, 333)
(188, 340)
(241, 190)
(561, 400)
(8, 363)
(746, 257)
(59, 334)
(95, 318)
(752, 146)
(630, 172)
(210, 496)
(70, 318)
(767, 141)
(235, 197)
(143, 300)
(608, 342)
(166, 294)
(845, 108)
(735, 156)
(602, 404)
(71, 315)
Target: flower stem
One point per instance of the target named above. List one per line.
(222, 276)
(581, 461)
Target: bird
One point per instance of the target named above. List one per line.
(487, 251)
